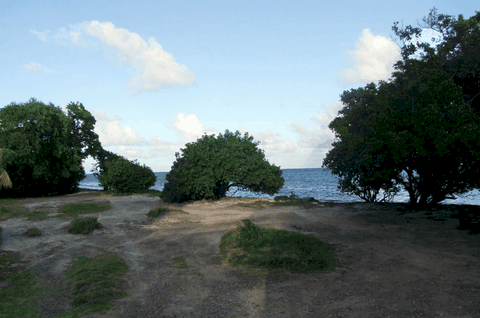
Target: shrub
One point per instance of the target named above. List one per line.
(209, 165)
(122, 175)
(174, 189)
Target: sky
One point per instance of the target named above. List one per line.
(159, 74)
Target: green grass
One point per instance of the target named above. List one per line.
(268, 251)
(96, 283)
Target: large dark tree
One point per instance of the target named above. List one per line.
(458, 51)
(439, 132)
(47, 160)
(352, 158)
(208, 166)
(422, 124)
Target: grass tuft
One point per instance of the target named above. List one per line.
(263, 250)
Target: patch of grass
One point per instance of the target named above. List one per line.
(181, 262)
(154, 213)
(12, 208)
(283, 200)
(262, 250)
(94, 283)
(150, 192)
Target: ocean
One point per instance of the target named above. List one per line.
(318, 183)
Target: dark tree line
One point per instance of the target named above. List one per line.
(420, 130)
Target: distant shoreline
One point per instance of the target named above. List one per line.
(441, 205)
(85, 190)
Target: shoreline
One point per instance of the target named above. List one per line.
(439, 205)
(87, 190)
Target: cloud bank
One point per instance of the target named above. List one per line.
(373, 60)
(155, 69)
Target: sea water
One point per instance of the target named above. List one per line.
(318, 183)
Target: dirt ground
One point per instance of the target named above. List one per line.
(399, 265)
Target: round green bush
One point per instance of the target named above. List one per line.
(122, 175)
(209, 167)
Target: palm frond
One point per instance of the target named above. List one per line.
(5, 179)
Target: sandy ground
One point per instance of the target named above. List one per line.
(409, 265)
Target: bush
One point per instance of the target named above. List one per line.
(209, 165)
(174, 189)
(122, 175)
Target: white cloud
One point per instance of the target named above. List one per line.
(321, 134)
(190, 127)
(373, 59)
(41, 35)
(162, 148)
(63, 107)
(270, 142)
(157, 141)
(104, 116)
(329, 113)
(154, 67)
(315, 159)
(74, 36)
(111, 133)
(37, 68)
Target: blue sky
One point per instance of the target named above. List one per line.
(158, 74)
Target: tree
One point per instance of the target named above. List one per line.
(81, 129)
(48, 158)
(351, 158)
(103, 156)
(421, 123)
(206, 168)
(459, 52)
(122, 175)
(455, 71)
(433, 133)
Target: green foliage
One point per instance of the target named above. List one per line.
(209, 165)
(423, 123)
(81, 126)
(458, 53)
(352, 157)
(122, 175)
(266, 250)
(249, 231)
(103, 156)
(47, 159)
(83, 225)
(175, 188)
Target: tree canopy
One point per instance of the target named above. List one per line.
(352, 158)
(207, 166)
(81, 126)
(46, 159)
(46, 146)
(422, 123)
